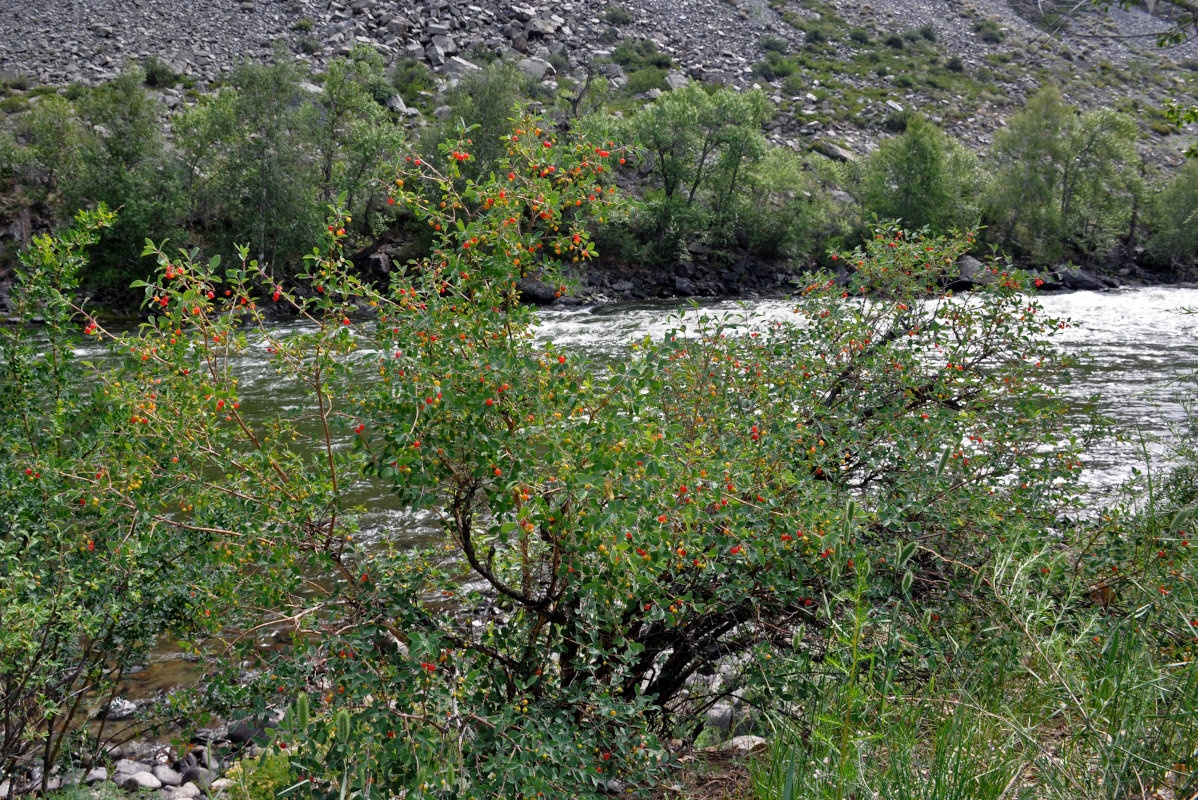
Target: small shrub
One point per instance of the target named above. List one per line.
(479, 53)
(618, 15)
(310, 46)
(159, 74)
(894, 41)
(411, 77)
(259, 778)
(897, 122)
(904, 81)
(988, 31)
(911, 35)
(860, 36)
(1190, 64)
(303, 25)
(641, 53)
(17, 82)
(561, 64)
(15, 104)
(774, 66)
(928, 32)
(646, 79)
(955, 64)
(773, 44)
(816, 36)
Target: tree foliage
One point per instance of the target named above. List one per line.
(923, 178)
(1066, 183)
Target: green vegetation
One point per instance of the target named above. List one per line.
(1175, 218)
(864, 526)
(260, 161)
(924, 178)
(1066, 185)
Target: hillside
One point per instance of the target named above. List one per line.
(987, 54)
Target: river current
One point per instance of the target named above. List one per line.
(1133, 344)
(1134, 347)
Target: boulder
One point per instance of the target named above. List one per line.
(676, 80)
(167, 775)
(458, 66)
(746, 744)
(535, 292)
(96, 775)
(199, 776)
(540, 26)
(834, 151)
(138, 781)
(536, 68)
(118, 710)
(1079, 280)
(188, 791)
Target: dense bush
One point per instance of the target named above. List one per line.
(1174, 219)
(924, 178)
(700, 149)
(1065, 184)
(614, 531)
(90, 581)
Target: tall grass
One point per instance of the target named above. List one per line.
(1078, 678)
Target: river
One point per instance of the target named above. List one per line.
(1133, 344)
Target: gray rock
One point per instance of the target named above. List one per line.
(446, 45)
(138, 781)
(894, 106)
(167, 775)
(537, 292)
(458, 66)
(683, 286)
(96, 775)
(188, 791)
(396, 104)
(834, 151)
(746, 744)
(127, 766)
(536, 68)
(378, 263)
(200, 776)
(540, 26)
(974, 272)
(118, 710)
(442, 112)
(676, 80)
(1080, 280)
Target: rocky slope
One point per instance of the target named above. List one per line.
(1101, 57)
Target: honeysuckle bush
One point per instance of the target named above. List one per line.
(624, 543)
(89, 582)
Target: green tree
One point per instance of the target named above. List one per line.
(251, 163)
(1173, 218)
(1066, 185)
(483, 98)
(924, 178)
(125, 164)
(699, 147)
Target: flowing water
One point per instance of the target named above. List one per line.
(1133, 346)
(1133, 343)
